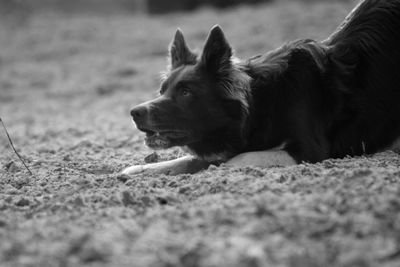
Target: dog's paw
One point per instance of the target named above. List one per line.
(133, 170)
(153, 168)
(187, 164)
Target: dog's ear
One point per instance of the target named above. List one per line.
(179, 53)
(217, 52)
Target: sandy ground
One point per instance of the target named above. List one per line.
(66, 86)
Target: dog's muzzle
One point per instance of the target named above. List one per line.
(140, 114)
(158, 119)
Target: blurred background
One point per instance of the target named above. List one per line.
(107, 6)
(10, 8)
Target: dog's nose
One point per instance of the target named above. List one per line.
(139, 112)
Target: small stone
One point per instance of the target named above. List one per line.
(93, 254)
(283, 178)
(3, 223)
(3, 205)
(212, 167)
(173, 184)
(78, 201)
(11, 167)
(22, 202)
(127, 198)
(162, 200)
(123, 177)
(152, 158)
(184, 189)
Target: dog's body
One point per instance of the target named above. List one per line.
(313, 100)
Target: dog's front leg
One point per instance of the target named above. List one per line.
(269, 158)
(188, 164)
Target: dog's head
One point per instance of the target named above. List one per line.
(203, 102)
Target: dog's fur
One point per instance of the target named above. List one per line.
(314, 100)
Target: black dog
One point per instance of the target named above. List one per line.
(313, 100)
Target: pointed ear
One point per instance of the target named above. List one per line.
(179, 52)
(217, 52)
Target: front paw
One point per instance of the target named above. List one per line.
(153, 168)
(187, 164)
(133, 170)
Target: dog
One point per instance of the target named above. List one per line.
(306, 101)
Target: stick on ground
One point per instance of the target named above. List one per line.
(12, 145)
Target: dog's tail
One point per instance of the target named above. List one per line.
(364, 51)
(370, 22)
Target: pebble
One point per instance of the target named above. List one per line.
(78, 201)
(92, 254)
(22, 202)
(127, 198)
(123, 177)
(3, 205)
(184, 189)
(3, 223)
(152, 158)
(11, 167)
(162, 200)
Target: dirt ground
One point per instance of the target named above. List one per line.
(66, 86)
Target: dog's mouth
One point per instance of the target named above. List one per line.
(163, 139)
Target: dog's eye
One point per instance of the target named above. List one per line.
(186, 93)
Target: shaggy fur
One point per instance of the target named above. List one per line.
(321, 100)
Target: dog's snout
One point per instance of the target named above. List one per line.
(145, 113)
(139, 112)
